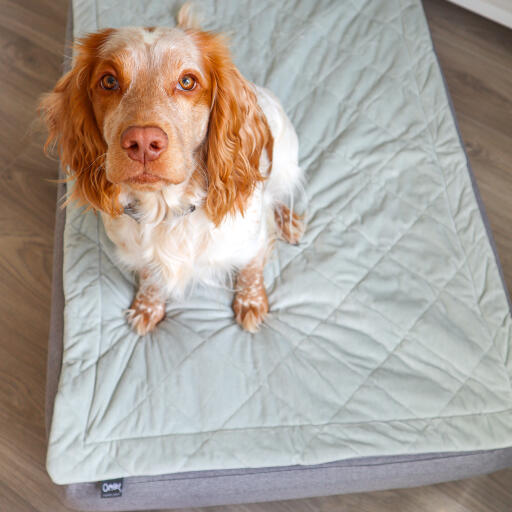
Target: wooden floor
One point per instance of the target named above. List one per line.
(476, 56)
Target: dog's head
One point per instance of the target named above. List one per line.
(147, 108)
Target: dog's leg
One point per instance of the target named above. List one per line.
(290, 226)
(251, 304)
(148, 306)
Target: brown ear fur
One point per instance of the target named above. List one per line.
(69, 116)
(237, 132)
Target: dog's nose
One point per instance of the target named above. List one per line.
(144, 143)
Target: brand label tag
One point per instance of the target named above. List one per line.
(111, 488)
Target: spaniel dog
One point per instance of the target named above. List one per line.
(190, 165)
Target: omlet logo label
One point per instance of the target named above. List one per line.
(112, 488)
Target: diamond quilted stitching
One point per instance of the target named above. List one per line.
(318, 393)
(329, 256)
(427, 384)
(449, 336)
(441, 256)
(375, 302)
(363, 214)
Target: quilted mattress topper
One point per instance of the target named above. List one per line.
(389, 331)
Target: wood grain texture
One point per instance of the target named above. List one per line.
(476, 57)
(31, 53)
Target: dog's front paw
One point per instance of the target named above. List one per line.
(144, 315)
(251, 308)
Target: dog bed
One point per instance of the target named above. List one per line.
(385, 360)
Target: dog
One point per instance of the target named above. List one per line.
(190, 165)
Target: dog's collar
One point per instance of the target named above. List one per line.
(190, 209)
(132, 210)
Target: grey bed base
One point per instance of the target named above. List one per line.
(223, 487)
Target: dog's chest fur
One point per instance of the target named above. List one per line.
(180, 247)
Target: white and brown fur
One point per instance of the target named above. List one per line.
(223, 183)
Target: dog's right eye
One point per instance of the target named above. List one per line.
(109, 83)
(187, 83)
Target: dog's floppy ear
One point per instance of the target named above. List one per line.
(237, 132)
(72, 127)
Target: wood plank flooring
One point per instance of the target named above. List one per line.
(476, 57)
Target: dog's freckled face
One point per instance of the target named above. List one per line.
(160, 120)
(151, 99)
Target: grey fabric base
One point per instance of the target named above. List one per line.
(207, 488)
(204, 488)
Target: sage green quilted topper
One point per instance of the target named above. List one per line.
(389, 330)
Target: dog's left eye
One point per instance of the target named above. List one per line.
(186, 83)
(109, 83)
